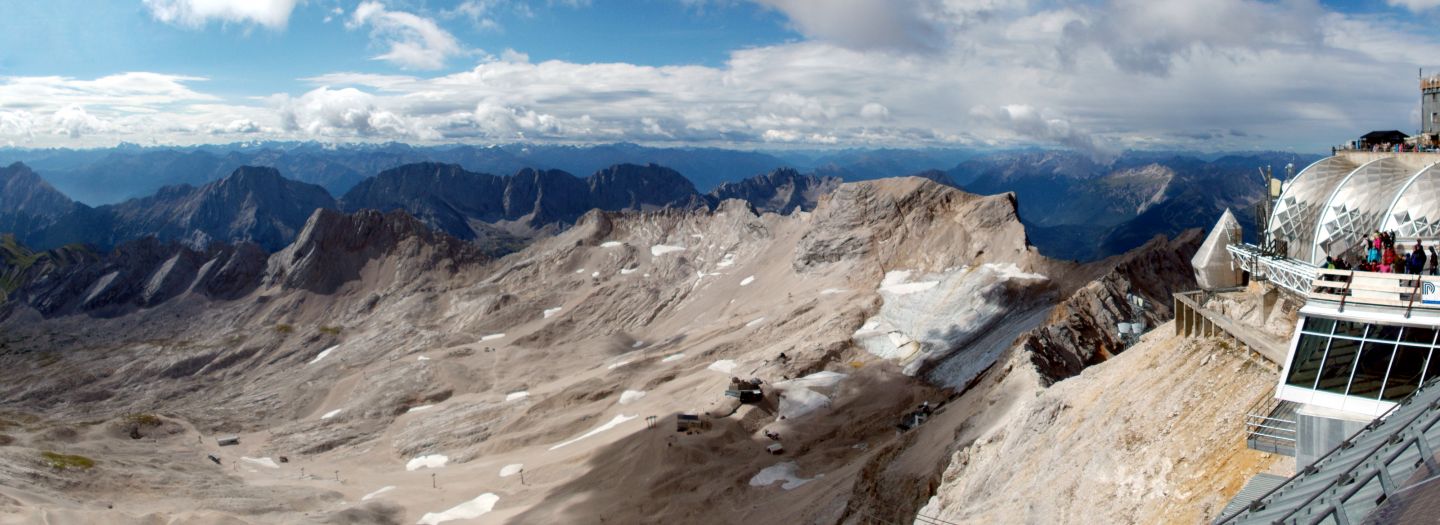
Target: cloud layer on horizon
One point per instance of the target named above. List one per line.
(1100, 77)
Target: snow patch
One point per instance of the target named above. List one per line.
(516, 396)
(264, 462)
(550, 312)
(723, 366)
(628, 271)
(422, 358)
(322, 354)
(638, 344)
(662, 249)
(469, 510)
(492, 337)
(382, 490)
(611, 244)
(631, 396)
(946, 313)
(672, 357)
(332, 413)
(594, 274)
(746, 281)
(727, 261)
(618, 365)
(430, 461)
(832, 291)
(781, 472)
(755, 323)
(797, 401)
(617, 421)
(582, 270)
(419, 408)
(511, 470)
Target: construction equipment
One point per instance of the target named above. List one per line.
(747, 391)
(916, 417)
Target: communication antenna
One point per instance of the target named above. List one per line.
(1266, 204)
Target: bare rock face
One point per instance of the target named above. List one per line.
(334, 247)
(29, 204)
(252, 204)
(1082, 330)
(896, 220)
(137, 274)
(781, 191)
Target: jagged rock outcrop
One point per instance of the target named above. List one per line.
(252, 204)
(28, 203)
(137, 274)
(335, 247)
(781, 191)
(470, 205)
(897, 222)
(1082, 330)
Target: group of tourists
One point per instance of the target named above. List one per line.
(1381, 256)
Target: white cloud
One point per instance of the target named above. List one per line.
(1097, 77)
(1415, 5)
(196, 13)
(74, 121)
(412, 41)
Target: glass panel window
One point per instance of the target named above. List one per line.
(1309, 352)
(1335, 371)
(1422, 336)
(1382, 332)
(1370, 368)
(1405, 372)
(1319, 325)
(1349, 328)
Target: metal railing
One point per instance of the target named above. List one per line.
(1267, 428)
(1264, 265)
(1400, 290)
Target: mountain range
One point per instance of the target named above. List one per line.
(258, 205)
(1073, 206)
(1076, 208)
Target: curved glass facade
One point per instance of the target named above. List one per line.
(1358, 206)
(1331, 205)
(1416, 211)
(1365, 360)
(1298, 209)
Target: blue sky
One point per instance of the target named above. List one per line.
(1101, 75)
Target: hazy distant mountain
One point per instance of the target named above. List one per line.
(471, 205)
(1075, 208)
(107, 176)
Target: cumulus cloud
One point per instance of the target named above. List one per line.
(411, 41)
(274, 14)
(74, 121)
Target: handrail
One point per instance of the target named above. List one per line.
(1414, 291)
(1383, 289)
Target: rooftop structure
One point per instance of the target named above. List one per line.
(1364, 343)
(1331, 205)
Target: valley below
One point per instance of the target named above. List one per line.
(378, 371)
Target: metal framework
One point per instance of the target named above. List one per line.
(1289, 274)
(1360, 474)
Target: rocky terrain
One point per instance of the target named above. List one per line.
(377, 370)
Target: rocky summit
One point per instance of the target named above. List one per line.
(375, 350)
